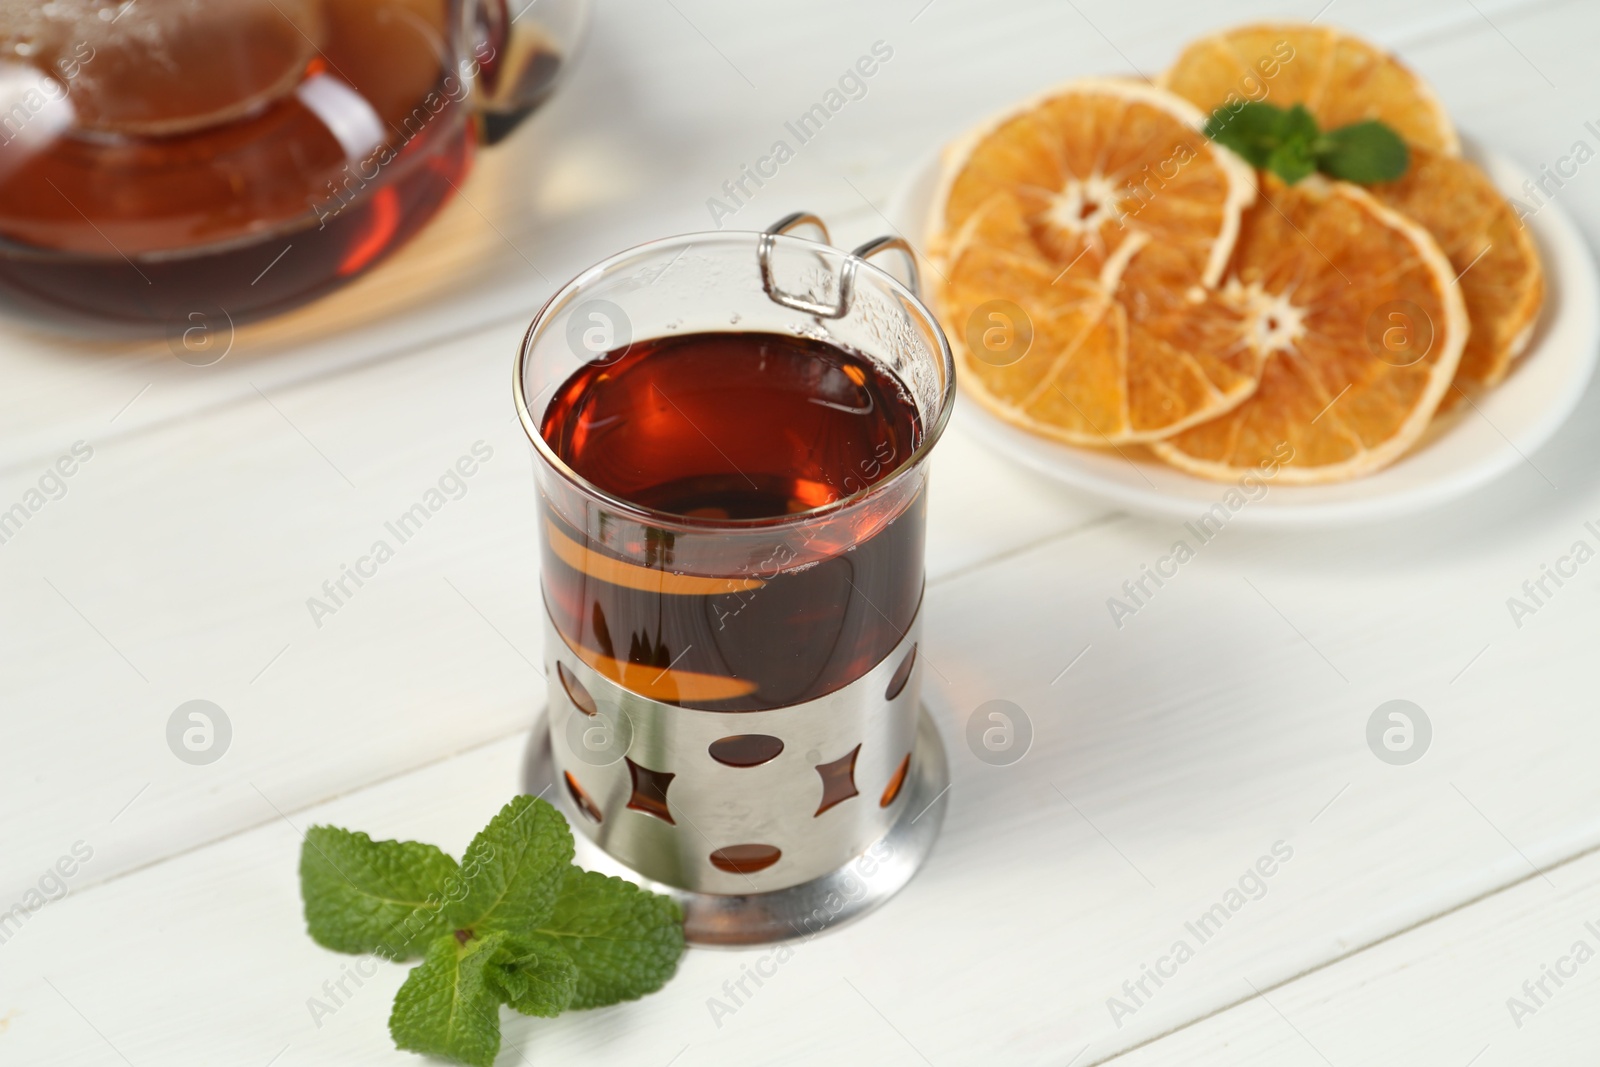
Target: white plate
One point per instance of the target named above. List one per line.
(1510, 423)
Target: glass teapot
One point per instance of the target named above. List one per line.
(159, 157)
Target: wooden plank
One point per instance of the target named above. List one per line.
(1499, 982)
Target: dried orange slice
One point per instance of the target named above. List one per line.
(1318, 273)
(1339, 77)
(1015, 322)
(1095, 163)
(1039, 215)
(1489, 248)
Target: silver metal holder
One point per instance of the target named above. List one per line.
(847, 274)
(764, 825)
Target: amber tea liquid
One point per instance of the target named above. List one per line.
(733, 428)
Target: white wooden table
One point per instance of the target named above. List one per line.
(1169, 755)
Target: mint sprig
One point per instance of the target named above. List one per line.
(514, 923)
(1288, 142)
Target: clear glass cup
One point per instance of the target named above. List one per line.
(158, 157)
(733, 698)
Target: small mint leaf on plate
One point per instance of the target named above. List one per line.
(1287, 142)
(625, 941)
(449, 1005)
(1253, 131)
(1364, 152)
(535, 976)
(513, 870)
(1292, 157)
(1292, 161)
(383, 897)
(1297, 124)
(1268, 137)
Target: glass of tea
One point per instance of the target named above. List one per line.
(731, 435)
(164, 158)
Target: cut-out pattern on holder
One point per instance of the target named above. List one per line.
(581, 798)
(650, 791)
(838, 780)
(896, 781)
(745, 859)
(902, 675)
(746, 750)
(576, 692)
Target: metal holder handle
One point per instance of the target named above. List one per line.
(847, 274)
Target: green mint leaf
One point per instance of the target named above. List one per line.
(512, 871)
(1292, 161)
(1293, 158)
(1253, 131)
(1364, 152)
(1298, 124)
(1269, 138)
(362, 895)
(449, 1005)
(537, 977)
(1287, 142)
(625, 941)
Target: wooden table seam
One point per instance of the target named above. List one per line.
(1260, 994)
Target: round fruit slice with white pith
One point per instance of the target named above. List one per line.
(1360, 323)
(1491, 251)
(1042, 218)
(1340, 79)
(1095, 163)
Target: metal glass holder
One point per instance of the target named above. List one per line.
(804, 911)
(765, 825)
